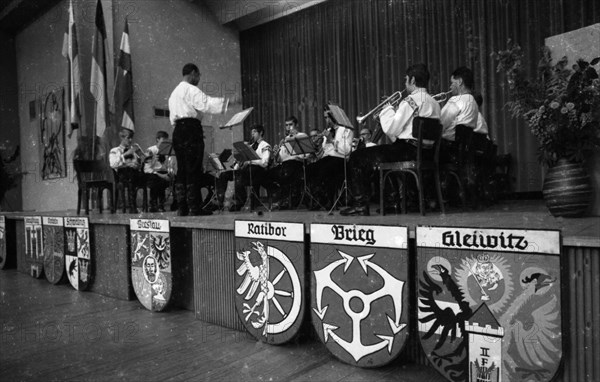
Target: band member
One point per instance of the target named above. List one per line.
(461, 109)
(397, 125)
(288, 173)
(251, 173)
(187, 104)
(157, 174)
(126, 159)
(364, 140)
(326, 175)
(318, 140)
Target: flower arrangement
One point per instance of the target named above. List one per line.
(562, 106)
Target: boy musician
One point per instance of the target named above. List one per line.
(397, 125)
(288, 172)
(327, 174)
(126, 159)
(157, 174)
(246, 172)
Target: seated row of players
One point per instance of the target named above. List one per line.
(320, 174)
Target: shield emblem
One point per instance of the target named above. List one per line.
(359, 291)
(2, 241)
(54, 248)
(151, 262)
(269, 278)
(489, 303)
(78, 261)
(34, 252)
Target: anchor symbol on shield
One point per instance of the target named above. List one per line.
(357, 305)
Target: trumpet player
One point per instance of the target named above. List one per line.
(461, 108)
(397, 125)
(126, 159)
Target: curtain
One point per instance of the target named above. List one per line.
(353, 52)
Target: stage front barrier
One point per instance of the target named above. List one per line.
(270, 278)
(208, 287)
(151, 262)
(53, 230)
(360, 291)
(78, 259)
(34, 252)
(3, 252)
(489, 303)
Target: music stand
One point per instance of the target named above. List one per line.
(237, 119)
(244, 153)
(340, 118)
(302, 146)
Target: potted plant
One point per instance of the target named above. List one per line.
(562, 109)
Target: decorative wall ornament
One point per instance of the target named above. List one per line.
(270, 278)
(34, 253)
(489, 303)
(359, 291)
(151, 271)
(52, 136)
(54, 248)
(78, 260)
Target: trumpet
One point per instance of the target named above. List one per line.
(393, 100)
(442, 97)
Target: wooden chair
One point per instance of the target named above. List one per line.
(456, 166)
(91, 174)
(428, 132)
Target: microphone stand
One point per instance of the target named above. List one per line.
(344, 188)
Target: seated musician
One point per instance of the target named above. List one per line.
(287, 173)
(326, 176)
(126, 159)
(251, 173)
(461, 109)
(397, 125)
(364, 140)
(157, 174)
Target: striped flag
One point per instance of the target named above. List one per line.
(98, 76)
(124, 84)
(75, 113)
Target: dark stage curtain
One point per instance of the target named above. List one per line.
(353, 52)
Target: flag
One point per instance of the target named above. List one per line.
(124, 84)
(75, 113)
(98, 76)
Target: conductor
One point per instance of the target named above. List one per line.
(187, 105)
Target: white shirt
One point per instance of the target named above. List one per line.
(459, 110)
(482, 127)
(264, 152)
(187, 100)
(398, 125)
(116, 159)
(341, 147)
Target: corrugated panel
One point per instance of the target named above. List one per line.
(214, 286)
(583, 326)
(20, 240)
(112, 261)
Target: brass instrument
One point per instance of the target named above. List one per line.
(442, 97)
(393, 100)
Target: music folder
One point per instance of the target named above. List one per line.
(244, 153)
(238, 118)
(219, 161)
(300, 146)
(166, 148)
(339, 116)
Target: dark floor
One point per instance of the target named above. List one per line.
(57, 333)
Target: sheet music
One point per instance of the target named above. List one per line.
(339, 116)
(216, 162)
(243, 152)
(238, 118)
(300, 146)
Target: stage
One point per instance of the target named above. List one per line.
(203, 252)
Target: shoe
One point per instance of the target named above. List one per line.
(153, 209)
(182, 212)
(355, 211)
(161, 209)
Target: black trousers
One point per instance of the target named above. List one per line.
(363, 166)
(325, 178)
(188, 143)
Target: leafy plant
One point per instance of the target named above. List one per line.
(561, 106)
